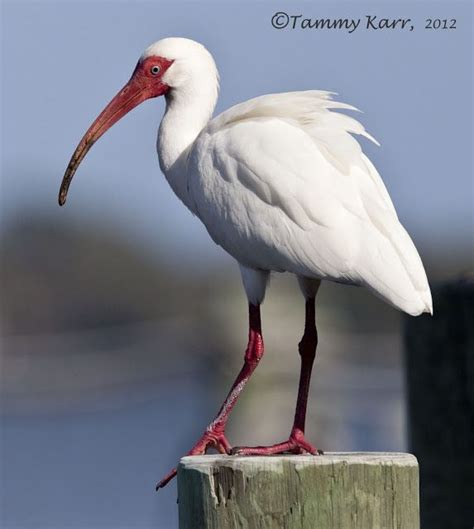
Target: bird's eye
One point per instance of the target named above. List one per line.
(155, 70)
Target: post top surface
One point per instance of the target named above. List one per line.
(329, 458)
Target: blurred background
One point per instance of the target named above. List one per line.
(123, 325)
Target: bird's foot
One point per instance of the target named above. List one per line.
(296, 444)
(211, 438)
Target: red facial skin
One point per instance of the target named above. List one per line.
(143, 85)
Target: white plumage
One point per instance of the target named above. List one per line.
(281, 184)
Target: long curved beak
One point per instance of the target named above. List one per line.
(130, 96)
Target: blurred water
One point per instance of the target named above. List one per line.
(112, 365)
(98, 469)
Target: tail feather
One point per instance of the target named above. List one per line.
(393, 270)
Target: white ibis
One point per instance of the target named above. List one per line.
(282, 185)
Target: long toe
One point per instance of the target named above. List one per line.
(209, 439)
(166, 479)
(296, 444)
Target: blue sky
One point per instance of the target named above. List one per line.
(62, 62)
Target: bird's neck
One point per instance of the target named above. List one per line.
(187, 113)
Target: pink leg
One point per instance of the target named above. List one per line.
(214, 436)
(296, 443)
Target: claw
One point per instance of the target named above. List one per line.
(166, 480)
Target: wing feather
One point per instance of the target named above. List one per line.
(281, 184)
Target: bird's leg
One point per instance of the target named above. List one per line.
(296, 443)
(214, 436)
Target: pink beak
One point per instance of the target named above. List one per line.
(131, 95)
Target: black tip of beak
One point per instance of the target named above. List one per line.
(71, 169)
(62, 198)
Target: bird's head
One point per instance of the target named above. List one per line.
(169, 66)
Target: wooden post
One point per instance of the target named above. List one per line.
(332, 491)
(440, 380)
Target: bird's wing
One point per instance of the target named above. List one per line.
(312, 111)
(295, 193)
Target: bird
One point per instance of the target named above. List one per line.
(281, 183)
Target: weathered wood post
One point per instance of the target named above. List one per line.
(440, 380)
(333, 491)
